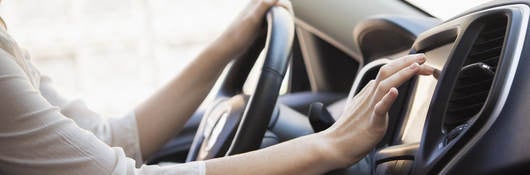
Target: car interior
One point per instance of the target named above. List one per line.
(304, 69)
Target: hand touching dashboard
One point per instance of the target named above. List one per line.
(364, 120)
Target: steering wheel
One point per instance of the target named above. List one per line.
(236, 123)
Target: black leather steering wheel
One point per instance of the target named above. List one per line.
(236, 123)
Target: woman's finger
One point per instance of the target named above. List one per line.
(383, 106)
(263, 6)
(268, 3)
(286, 4)
(367, 87)
(396, 65)
(357, 99)
(395, 80)
(362, 95)
(426, 69)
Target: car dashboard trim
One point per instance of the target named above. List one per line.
(524, 10)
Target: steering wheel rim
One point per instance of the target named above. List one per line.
(217, 134)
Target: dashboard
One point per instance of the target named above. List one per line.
(453, 125)
(472, 89)
(473, 119)
(421, 97)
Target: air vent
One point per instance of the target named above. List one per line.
(475, 79)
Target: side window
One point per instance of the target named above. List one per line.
(329, 68)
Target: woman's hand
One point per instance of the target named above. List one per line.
(247, 25)
(160, 117)
(364, 121)
(360, 128)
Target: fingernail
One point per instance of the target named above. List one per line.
(394, 90)
(436, 73)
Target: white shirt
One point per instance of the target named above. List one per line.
(42, 133)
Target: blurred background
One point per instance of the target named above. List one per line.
(115, 53)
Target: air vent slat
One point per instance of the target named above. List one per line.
(465, 99)
(490, 42)
(465, 109)
(476, 76)
(485, 53)
(492, 31)
(462, 112)
(491, 61)
(472, 86)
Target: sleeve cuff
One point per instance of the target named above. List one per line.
(125, 135)
(201, 167)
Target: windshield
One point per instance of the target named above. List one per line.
(447, 8)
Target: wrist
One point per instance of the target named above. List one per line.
(243, 30)
(328, 150)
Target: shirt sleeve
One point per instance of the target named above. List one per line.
(38, 139)
(117, 132)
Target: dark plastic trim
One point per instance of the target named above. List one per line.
(432, 158)
(386, 35)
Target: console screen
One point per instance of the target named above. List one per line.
(423, 91)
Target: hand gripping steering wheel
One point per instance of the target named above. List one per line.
(236, 123)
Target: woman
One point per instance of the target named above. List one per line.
(41, 133)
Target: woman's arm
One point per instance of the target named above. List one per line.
(162, 115)
(37, 139)
(361, 127)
